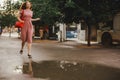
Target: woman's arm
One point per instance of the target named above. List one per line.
(35, 19)
(19, 19)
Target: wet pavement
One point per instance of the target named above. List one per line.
(67, 70)
(57, 61)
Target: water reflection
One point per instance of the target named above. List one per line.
(65, 70)
(27, 68)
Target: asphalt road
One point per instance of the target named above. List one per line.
(11, 62)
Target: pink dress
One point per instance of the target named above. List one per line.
(27, 29)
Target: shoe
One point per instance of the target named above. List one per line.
(29, 56)
(21, 51)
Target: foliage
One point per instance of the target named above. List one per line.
(46, 10)
(7, 16)
(7, 20)
(68, 11)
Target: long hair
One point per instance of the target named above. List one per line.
(23, 6)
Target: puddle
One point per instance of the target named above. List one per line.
(3, 78)
(66, 70)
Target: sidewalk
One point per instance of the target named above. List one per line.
(81, 44)
(68, 41)
(13, 34)
(73, 42)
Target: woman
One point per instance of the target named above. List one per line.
(27, 29)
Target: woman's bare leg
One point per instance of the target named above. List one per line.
(29, 50)
(22, 46)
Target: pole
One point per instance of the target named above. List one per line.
(10, 24)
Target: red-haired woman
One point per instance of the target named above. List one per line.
(27, 29)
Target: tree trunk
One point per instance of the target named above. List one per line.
(89, 33)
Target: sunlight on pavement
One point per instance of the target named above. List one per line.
(15, 34)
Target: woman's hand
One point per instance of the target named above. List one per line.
(37, 19)
(22, 21)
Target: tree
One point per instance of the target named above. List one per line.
(68, 11)
(95, 11)
(8, 17)
(46, 10)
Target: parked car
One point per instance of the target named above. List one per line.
(108, 36)
(71, 34)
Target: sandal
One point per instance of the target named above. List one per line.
(21, 51)
(29, 56)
